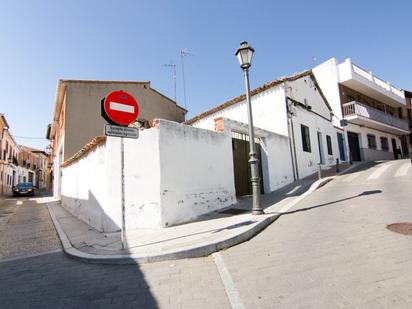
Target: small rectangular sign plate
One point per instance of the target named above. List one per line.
(118, 131)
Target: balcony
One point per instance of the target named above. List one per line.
(361, 114)
(365, 82)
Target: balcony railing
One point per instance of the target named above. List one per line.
(381, 83)
(359, 109)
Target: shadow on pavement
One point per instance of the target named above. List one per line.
(229, 227)
(53, 280)
(329, 203)
(363, 167)
(56, 281)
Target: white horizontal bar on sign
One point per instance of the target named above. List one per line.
(121, 107)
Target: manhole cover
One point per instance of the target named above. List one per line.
(404, 228)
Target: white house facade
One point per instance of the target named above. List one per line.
(294, 110)
(375, 113)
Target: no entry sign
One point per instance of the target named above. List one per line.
(120, 108)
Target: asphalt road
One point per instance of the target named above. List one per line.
(332, 250)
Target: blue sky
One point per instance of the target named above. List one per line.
(43, 41)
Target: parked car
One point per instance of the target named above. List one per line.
(23, 188)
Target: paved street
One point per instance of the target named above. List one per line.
(331, 250)
(26, 227)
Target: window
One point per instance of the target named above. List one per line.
(31, 177)
(384, 143)
(305, 138)
(329, 144)
(371, 141)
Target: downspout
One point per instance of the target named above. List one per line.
(292, 145)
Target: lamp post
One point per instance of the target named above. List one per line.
(244, 54)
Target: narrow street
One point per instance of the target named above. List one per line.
(26, 227)
(331, 250)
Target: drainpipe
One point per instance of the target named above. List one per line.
(292, 145)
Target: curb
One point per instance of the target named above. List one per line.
(182, 253)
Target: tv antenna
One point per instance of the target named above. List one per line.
(172, 66)
(183, 53)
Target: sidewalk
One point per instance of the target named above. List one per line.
(211, 233)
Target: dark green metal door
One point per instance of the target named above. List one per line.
(241, 166)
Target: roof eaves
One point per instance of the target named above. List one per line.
(166, 97)
(320, 90)
(242, 97)
(85, 150)
(4, 120)
(104, 81)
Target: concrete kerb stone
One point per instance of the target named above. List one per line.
(201, 250)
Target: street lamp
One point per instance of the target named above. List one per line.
(244, 54)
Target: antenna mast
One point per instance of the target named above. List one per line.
(173, 67)
(184, 52)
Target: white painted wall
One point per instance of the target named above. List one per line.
(275, 155)
(269, 109)
(144, 206)
(363, 140)
(85, 191)
(196, 172)
(173, 174)
(57, 171)
(318, 119)
(308, 161)
(269, 114)
(327, 76)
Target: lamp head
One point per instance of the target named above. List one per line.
(244, 54)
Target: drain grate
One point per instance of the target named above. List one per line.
(404, 228)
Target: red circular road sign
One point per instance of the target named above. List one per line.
(121, 108)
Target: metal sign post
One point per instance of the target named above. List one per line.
(120, 109)
(123, 236)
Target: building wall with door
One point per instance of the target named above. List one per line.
(278, 105)
(275, 155)
(173, 174)
(374, 151)
(343, 83)
(308, 159)
(309, 108)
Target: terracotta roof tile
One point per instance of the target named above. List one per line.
(85, 150)
(256, 91)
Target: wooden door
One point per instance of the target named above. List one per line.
(354, 149)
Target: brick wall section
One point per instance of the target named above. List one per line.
(219, 125)
(86, 149)
(154, 123)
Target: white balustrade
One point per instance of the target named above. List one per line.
(361, 72)
(381, 83)
(359, 109)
